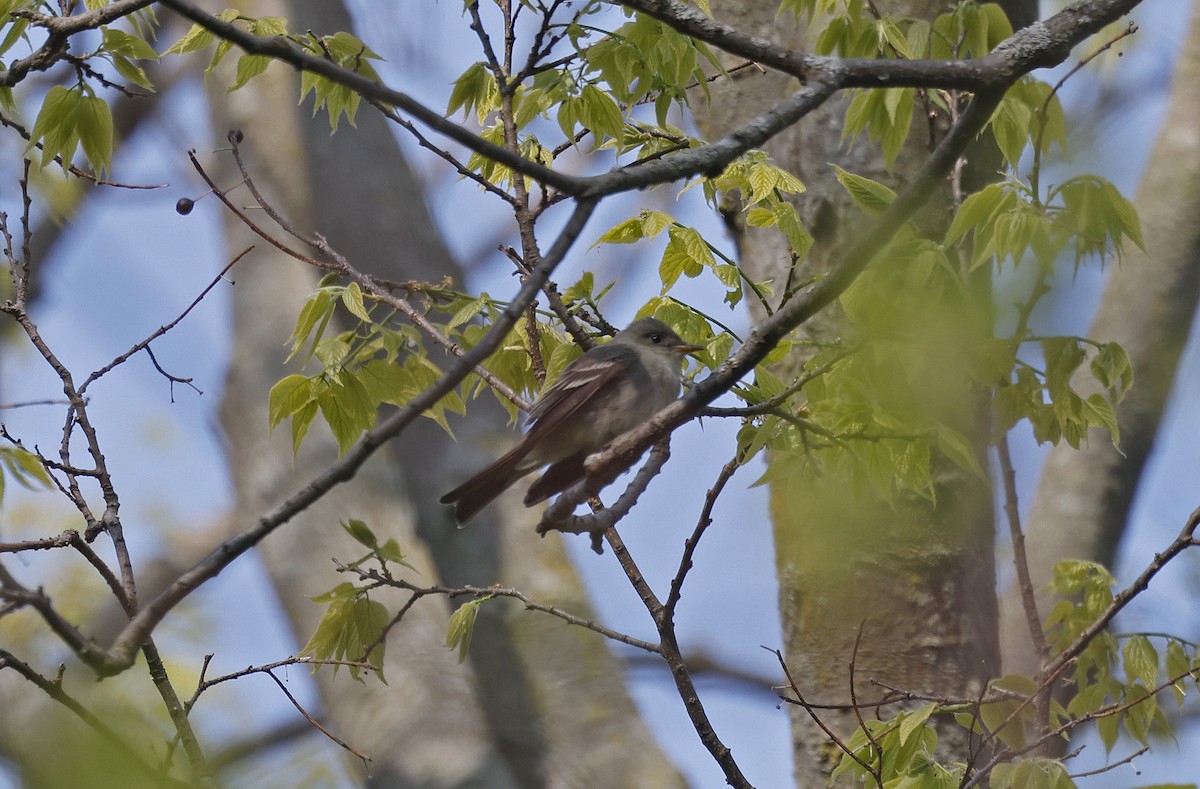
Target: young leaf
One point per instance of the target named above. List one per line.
(475, 88)
(912, 721)
(249, 67)
(601, 114)
(300, 423)
(347, 409)
(24, 467)
(361, 532)
(958, 449)
(56, 124)
(462, 626)
(1140, 661)
(871, 196)
(1178, 665)
(287, 397)
(352, 299)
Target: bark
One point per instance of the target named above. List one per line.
(538, 703)
(901, 594)
(1084, 498)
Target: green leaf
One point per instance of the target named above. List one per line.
(601, 114)
(15, 33)
(386, 382)
(249, 67)
(223, 48)
(958, 449)
(788, 220)
(370, 618)
(348, 410)
(132, 72)
(300, 424)
(269, 26)
(390, 552)
(1012, 124)
(974, 211)
(762, 179)
(361, 532)
(95, 128)
(686, 253)
(462, 626)
(912, 721)
(23, 466)
(1040, 773)
(196, 38)
(121, 43)
(646, 224)
(1123, 217)
(475, 88)
(1063, 356)
(1140, 661)
(1098, 412)
(581, 290)
(287, 397)
(352, 298)
(318, 308)
(871, 196)
(55, 126)
(1178, 666)
(468, 311)
(343, 591)
(350, 623)
(1109, 729)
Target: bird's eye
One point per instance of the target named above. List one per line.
(656, 338)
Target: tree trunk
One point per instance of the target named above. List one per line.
(510, 716)
(874, 594)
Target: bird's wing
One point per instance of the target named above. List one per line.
(579, 383)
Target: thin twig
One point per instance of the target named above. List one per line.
(54, 689)
(1033, 620)
(702, 524)
(452, 592)
(830, 733)
(669, 649)
(161, 330)
(558, 517)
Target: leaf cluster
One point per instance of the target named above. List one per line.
(1116, 679)
(353, 625)
(361, 369)
(75, 115)
(341, 48)
(1117, 685)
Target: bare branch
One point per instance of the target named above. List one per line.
(160, 331)
(477, 592)
(702, 524)
(53, 688)
(121, 654)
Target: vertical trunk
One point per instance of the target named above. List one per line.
(510, 715)
(874, 594)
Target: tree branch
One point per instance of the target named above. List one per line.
(619, 454)
(120, 656)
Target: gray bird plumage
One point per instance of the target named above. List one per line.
(608, 391)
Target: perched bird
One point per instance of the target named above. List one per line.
(609, 390)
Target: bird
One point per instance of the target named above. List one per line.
(607, 391)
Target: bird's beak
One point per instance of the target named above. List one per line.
(685, 348)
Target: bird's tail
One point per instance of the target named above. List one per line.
(480, 490)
